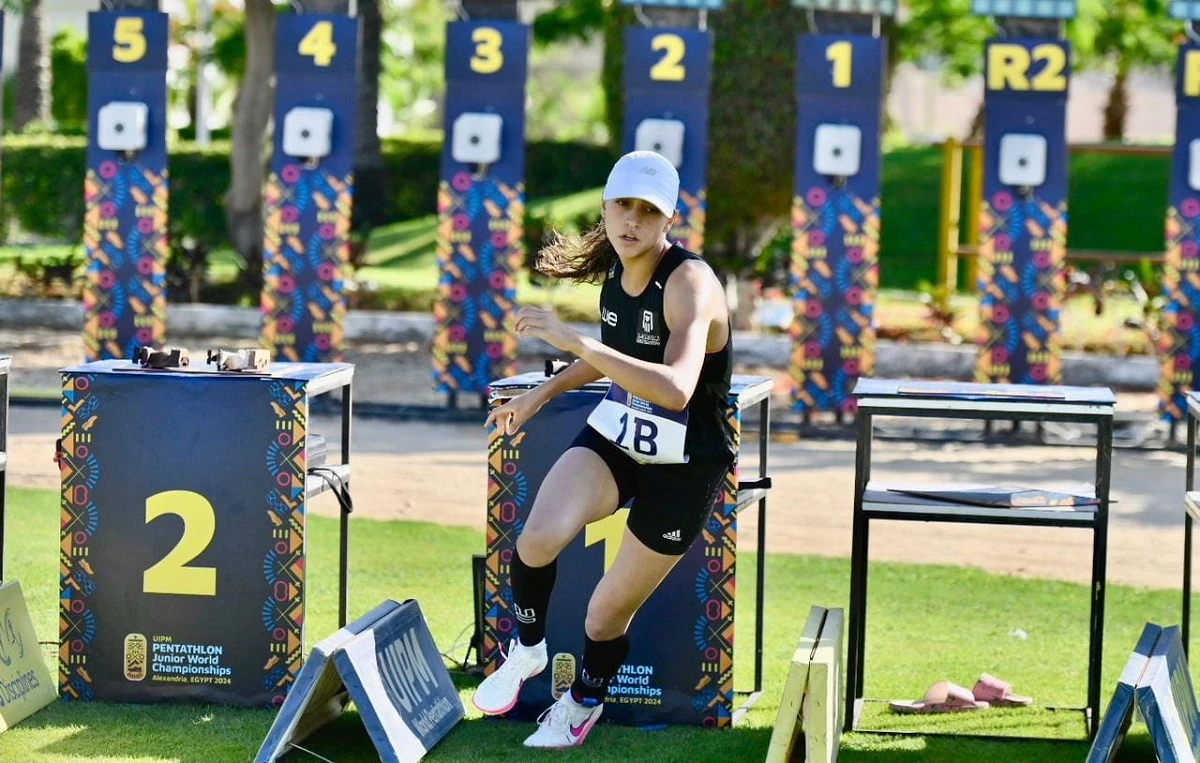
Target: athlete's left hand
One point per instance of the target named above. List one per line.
(545, 325)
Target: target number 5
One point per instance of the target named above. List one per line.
(670, 67)
(172, 574)
(318, 44)
(129, 39)
(488, 58)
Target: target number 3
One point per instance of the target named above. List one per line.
(489, 57)
(129, 39)
(318, 44)
(172, 573)
(670, 67)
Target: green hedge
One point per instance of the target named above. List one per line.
(42, 182)
(1117, 202)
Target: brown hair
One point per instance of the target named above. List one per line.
(582, 258)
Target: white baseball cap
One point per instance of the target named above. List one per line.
(644, 175)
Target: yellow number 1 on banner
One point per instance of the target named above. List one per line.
(318, 44)
(841, 55)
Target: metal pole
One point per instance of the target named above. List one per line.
(1189, 485)
(948, 221)
(974, 210)
(764, 438)
(344, 552)
(203, 92)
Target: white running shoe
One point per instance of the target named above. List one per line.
(498, 692)
(566, 723)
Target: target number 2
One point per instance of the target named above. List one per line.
(670, 67)
(172, 573)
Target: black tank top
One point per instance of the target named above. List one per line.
(635, 326)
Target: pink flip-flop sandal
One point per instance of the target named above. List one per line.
(998, 693)
(942, 697)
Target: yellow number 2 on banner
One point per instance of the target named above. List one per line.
(172, 574)
(129, 39)
(841, 55)
(488, 58)
(318, 44)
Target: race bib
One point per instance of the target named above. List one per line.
(649, 433)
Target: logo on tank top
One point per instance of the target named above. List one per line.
(608, 316)
(648, 335)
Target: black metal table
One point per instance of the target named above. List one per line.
(985, 402)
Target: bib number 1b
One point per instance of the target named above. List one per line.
(648, 433)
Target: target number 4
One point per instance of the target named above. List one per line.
(172, 573)
(318, 44)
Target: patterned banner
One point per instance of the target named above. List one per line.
(668, 75)
(680, 666)
(181, 559)
(309, 199)
(125, 191)
(1023, 228)
(481, 205)
(836, 218)
(1179, 343)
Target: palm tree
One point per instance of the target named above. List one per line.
(31, 100)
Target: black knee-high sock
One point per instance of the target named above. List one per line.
(531, 588)
(601, 661)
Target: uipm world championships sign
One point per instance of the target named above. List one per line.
(387, 663)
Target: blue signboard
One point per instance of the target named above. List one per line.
(1023, 221)
(873, 7)
(1119, 714)
(125, 189)
(836, 216)
(481, 204)
(1167, 699)
(710, 5)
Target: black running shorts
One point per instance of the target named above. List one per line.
(671, 502)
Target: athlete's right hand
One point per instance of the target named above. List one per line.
(513, 414)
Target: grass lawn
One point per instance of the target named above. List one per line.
(919, 632)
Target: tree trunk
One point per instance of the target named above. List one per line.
(1117, 108)
(370, 173)
(978, 123)
(247, 161)
(31, 101)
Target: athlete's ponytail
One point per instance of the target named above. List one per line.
(582, 258)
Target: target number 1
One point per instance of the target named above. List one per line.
(841, 55)
(172, 574)
(1191, 74)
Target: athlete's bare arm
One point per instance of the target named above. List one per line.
(688, 306)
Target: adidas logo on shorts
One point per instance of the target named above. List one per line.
(673, 535)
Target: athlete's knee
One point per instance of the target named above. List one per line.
(539, 545)
(607, 615)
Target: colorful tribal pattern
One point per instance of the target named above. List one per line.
(125, 237)
(508, 491)
(283, 565)
(716, 586)
(1179, 343)
(305, 249)
(689, 230)
(479, 249)
(78, 521)
(835, 274)
(1022, 249)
